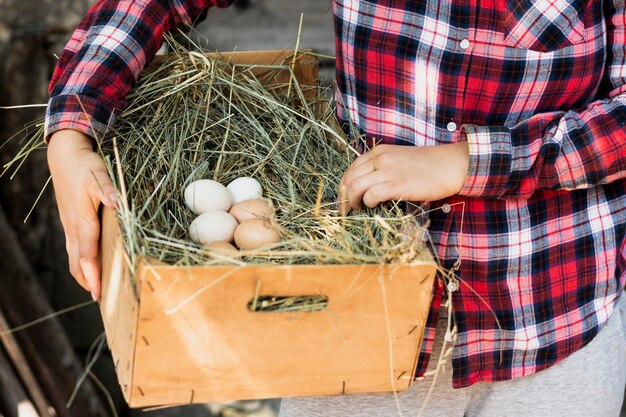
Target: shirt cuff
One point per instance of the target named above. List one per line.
(490, 161)
(82, 113)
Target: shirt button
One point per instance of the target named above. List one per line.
(451, 127)
(446, 208)
(464, 44)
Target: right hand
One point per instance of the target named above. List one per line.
(81, 183)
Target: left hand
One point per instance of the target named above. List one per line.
(396, 172)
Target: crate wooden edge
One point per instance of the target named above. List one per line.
(304, 64)
(168, 275)
(260, 57)
(119, 305)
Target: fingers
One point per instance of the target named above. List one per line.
(89, 233)
(71, 246)
(356, 171)
(372, 156)
(353, 192)
(83, 255)
(361, 166)
(101, 189)
(369, 180)
(379, 193)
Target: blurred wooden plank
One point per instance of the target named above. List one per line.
(23, 369)
(46, 346)
(13, 399)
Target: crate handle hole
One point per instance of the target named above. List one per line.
(284, 304)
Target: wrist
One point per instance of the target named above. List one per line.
(65, 143)
(68, 140)
(460, 151)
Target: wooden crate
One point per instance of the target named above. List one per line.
(182, 335)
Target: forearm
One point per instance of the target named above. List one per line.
(67, 140)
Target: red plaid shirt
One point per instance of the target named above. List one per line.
(536, 87)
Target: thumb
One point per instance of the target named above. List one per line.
(89, 234)
(91, 272)
(102, 188)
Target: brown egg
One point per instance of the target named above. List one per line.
(251, 209)
(252, 234)
(222, 248)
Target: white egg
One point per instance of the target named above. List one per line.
(211, 226)
(244, 188)
(205, 195)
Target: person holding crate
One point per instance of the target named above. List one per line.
(508, 116)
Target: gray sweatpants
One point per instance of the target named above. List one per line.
(588, 383)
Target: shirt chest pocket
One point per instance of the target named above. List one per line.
(543, 25)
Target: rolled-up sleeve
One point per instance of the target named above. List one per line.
(104, 56)
(570, 150)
